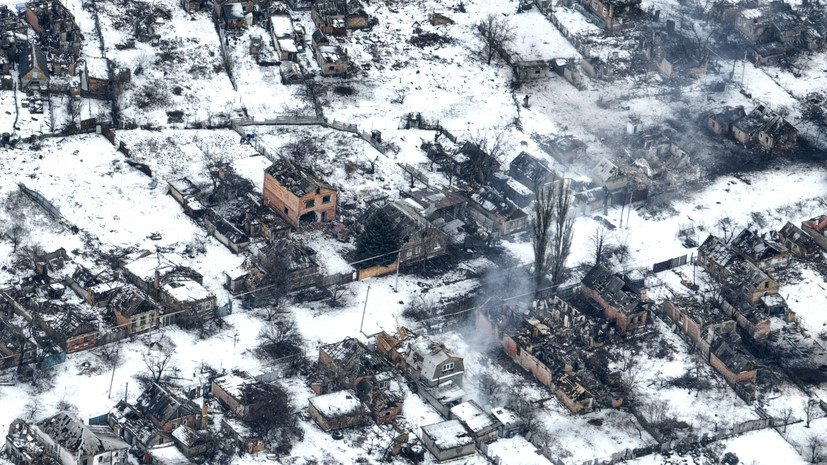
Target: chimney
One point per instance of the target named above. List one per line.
(203, 413)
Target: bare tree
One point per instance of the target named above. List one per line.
(815, 446)
(600, 241)
(304, 151)
(15, 205)
(561, 233)
(811, 407)
(726, 228)
(277, 332)
(786, 415)
(280, 338)
(541, 220)
(159, 358)
(496, 32)
(216, 162)
(400, 93)
(551, 229)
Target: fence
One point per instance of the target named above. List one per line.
(225, 53)
(669, 264)
(42, 201)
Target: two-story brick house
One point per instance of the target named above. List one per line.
(296, 194)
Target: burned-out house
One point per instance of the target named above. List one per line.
(188, 195)
(420, 239)
(749, 282)
(225, 232)
(235, 14)
(177, 287)
(712, 331)
(715, 256)
(130, 425)
(700, 322)
(765, 254)
(293, 262)
(329, 17)
(551, 343)
(133, 311)
(672, 54)
(618, 301)
(69, 327)
(249, 400)
(56, 27)
(720, 122)
(797, 241)
(23, 446)
(566, 149)
(613, 14)
(771, 131)
(33, 68)
(349, 362)
(166, 410)
(74, 443)
(15, 348)
(296, 194)
(733, 362)
(496, 213)
(817, 229)
(444, 208)
(530, 171)
(511, 189)
(740, 275)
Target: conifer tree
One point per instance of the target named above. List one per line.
(378, 240)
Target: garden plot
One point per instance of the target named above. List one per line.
(32, 114)
(441, 78)
(259, 87)
(181, 81)
(186, 153)
(94, 189)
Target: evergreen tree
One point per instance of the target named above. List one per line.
(378, 240)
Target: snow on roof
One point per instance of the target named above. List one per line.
(516, 451)
(145, 267)
(752, 13)
(232, 383)
(282, 26)
(97, 68)
(473, 416)
(448, 434)
(106, 287)
(428, 354)
(287, 45)
(71, 433)
(186, 290)
(447, 392)
(236, 273)
(337, 404)
(505, 416)
(185, 435)
(167, 454)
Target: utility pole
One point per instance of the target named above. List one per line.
(114, 365)
(364, 309)
(396, 285)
